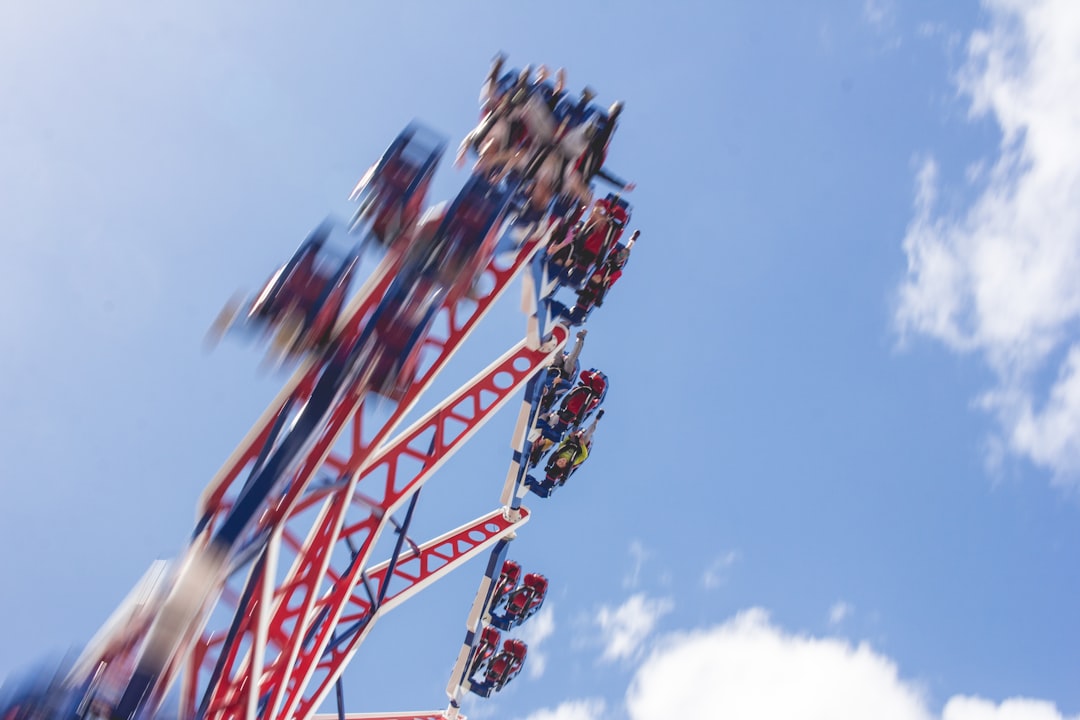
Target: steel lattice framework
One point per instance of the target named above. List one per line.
(305, 588)
(326, 551)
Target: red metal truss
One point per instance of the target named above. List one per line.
(459, 320)
(418, 570)
(306, 616)
(214, 501)
(344, 455)
(412, 572)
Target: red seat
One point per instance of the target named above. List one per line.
(517, 649)
(490, 635)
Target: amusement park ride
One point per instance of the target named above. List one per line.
(280, 583)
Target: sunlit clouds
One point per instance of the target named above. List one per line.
(997, 278)
(626, 627)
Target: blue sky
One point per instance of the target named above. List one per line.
(838, 474)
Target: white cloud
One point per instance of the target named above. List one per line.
(747, 668)
(839, 612)
(1049, 436)
(971, 708)
(639, 555)
(626, 627)
(591, 709)
(999, 278)
(716, 574)
(534, 632)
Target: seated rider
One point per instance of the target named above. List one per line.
(560, 378)
(583, 399)
(603, 277)
(574, 156)
(561, 372)
(560, 249)
(600, 232)
(577, 113)
(564, 151)
(573, 451)
(514, 112)
(592, 162)
(530, 129)
(500, 129)
(498, 84)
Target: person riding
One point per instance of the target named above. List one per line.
(602, 279)
(528, 128)
(570, 454)
(561, 372)
(583, 399)
(573, 451)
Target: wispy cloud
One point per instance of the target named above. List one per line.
(878, 13)
(639, 555)
(626, 627)
(998, 278)
(717, 573)
(534, 632)
(839, 612)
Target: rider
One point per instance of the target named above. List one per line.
(598, 234)
(561, 373)
(529, 128)
(583, 399)
(591, 165)
(501, 129)
(573, 451)
(602, 278)
(560, 378)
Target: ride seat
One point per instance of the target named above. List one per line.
(537, 582)
(304, 286)
(498, 667)
(490, 635)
